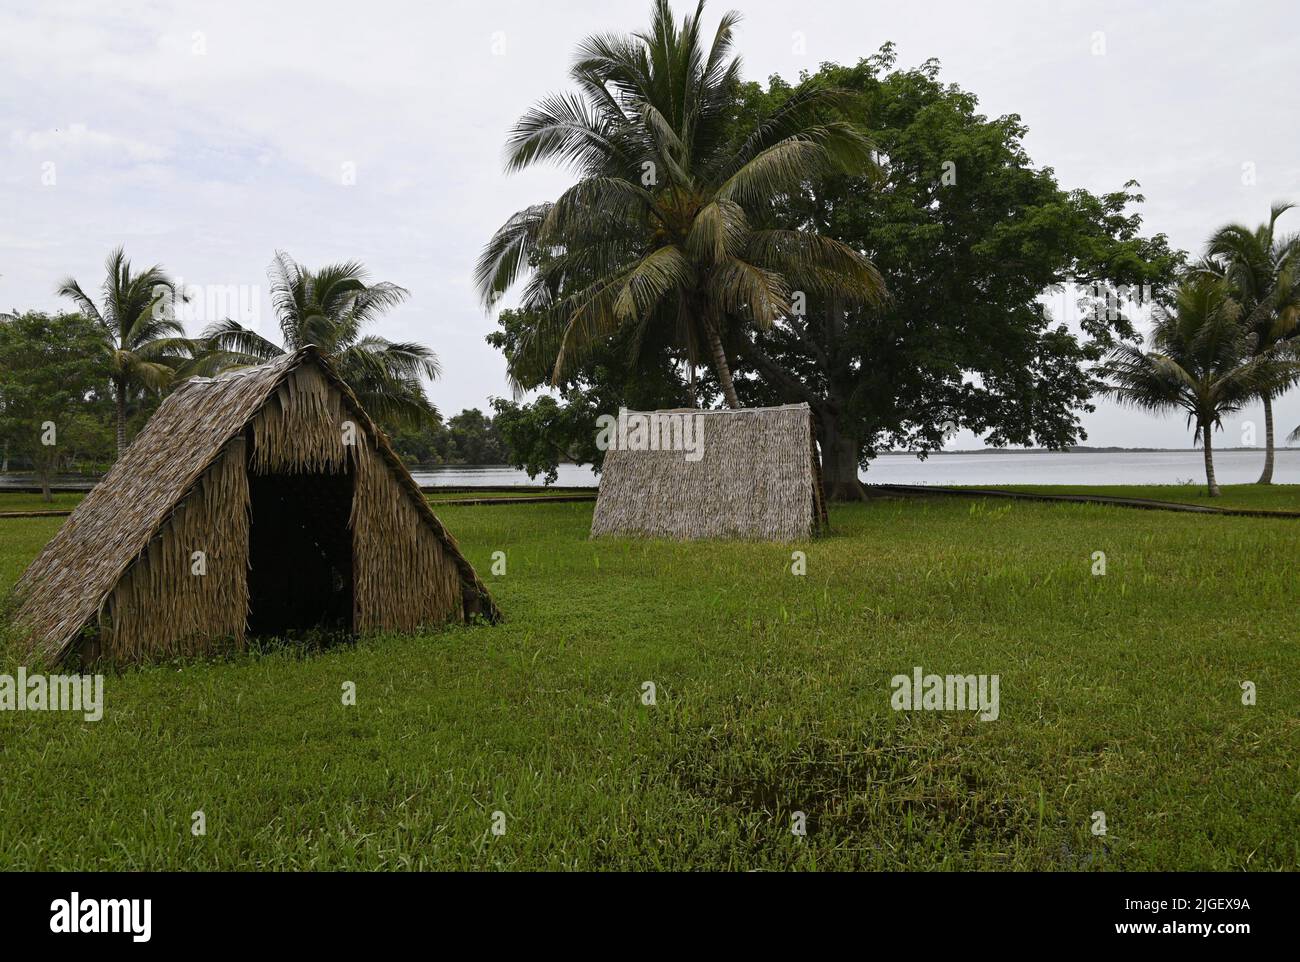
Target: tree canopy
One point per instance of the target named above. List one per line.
(51, 367)
(331, 307)
(666, 228)
(968, 235)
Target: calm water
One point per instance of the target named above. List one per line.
(1010, 467)
(1121, 467)
(496, 475)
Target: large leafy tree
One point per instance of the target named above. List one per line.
(141, 342)
(330, 308)
(50, 368)
(1203, 360)
(968, 236)
(667, 228)
(1263, 268)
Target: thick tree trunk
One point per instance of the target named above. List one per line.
(722, 368)
(1267, 476)
(120, 391)
(4, 460)
(1210, 482)
(839, 464)
(839, 449)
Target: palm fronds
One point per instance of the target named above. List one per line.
(1260, 267)
(657, 228)
(1203, 361)
(330, 308)
(144, 344)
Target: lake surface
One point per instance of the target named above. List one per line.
(1117, 467)
(1004, 467)
(500, 475)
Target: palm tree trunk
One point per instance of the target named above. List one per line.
(1210, 482)
(1267, 476)
(120, 392)
(722, 368)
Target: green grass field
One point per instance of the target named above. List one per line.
(1271, 497)
(61, 501)
(1119, 694)
(1284, 497)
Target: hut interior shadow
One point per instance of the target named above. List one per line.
(300, 555)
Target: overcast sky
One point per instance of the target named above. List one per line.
(207, 136)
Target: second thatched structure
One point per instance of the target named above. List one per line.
(749, 473)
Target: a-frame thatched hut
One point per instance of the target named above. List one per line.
(259, 502)
(749, 473)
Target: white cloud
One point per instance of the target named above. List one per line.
(209, 156)
(74, 139)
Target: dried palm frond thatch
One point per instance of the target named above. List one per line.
(119, 570)
(757, 477)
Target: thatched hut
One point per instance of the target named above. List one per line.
(261, 502)
(750, 473)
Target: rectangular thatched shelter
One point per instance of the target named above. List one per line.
(260, 502)
(749, 473)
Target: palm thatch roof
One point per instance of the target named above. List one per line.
(117, 568)
(755, 476)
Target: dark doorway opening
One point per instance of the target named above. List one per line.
(300, 555)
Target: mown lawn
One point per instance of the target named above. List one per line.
(20, 501)
(1119, 694)
(1267, 497)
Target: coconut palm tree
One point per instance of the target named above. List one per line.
(1263, 269)
(664, 226)
(144, 344)
(329, 308)
(1203, 360)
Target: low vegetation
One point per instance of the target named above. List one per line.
(1119, 693)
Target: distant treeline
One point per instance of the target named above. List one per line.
(471, 437)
